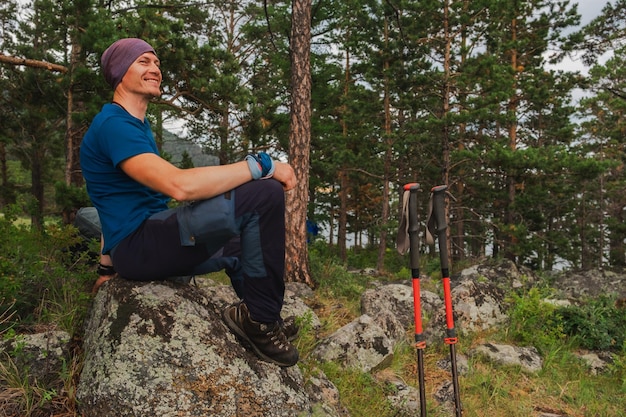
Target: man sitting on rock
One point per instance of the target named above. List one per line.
(237, 209)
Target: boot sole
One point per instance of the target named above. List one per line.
(238, 331)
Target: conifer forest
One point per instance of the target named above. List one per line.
(362, 97)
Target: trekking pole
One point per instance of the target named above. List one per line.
(420, 339)
(438, 195)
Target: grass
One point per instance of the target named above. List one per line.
(58, 289)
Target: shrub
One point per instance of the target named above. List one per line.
(596, 325)
(534, 322)
(42, 282)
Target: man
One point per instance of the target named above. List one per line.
(236, 209)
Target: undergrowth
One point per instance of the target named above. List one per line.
(45, 285)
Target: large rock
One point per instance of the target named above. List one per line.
(527, 358)
(503, 273)
(42, 354)
(397, 299)
(162, 349)
(590, 284)
(478, 305)
(364, 343)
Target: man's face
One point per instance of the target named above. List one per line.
(144, 76)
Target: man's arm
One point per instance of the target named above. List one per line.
(196, 183)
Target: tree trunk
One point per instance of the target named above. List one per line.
(343, 215)
(296, 251)
(458, 228)
(342, 222)
(384, 215)
(5, 194)
(73, 175)
(616, 235)
(224, 152)
(509, 220)
(37, 188)
(445, 136)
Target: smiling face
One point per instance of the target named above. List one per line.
(143, 77)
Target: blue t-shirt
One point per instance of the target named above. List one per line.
(122, 203)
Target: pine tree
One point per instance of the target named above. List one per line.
(36, 105)
(605, 124)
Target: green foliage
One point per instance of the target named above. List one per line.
(332, 277)
(597, 324)
(433, 266)
(42, 281)
(534, 322)
(29, 396)
(377, 119)
(307, 337)
(70, 197)
(186, 161)
(362, 394)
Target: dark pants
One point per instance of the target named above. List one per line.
(242, 231)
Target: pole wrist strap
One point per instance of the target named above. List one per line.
(402, 239)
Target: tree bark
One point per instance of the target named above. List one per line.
(6, 59)
(342, 228)
(384, 215)
(37, 187)
(296, 251)
(6, 194)
(511, 182)
(74, 132)
(446, 95)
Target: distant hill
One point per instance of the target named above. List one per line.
(175, 147)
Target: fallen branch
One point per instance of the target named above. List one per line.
(32, 63)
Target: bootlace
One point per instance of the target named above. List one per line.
(278, 338)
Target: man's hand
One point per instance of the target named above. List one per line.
(284, 174)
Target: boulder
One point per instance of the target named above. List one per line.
(478, 305)
(525, 357)
(503, 273)
(404, 398)
(326, 395)
(42, 354)
(397, 300)
(598, 362)
(162, 349)
(590, 284)
(363, 343)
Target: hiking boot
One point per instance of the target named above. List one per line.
(268, 340)
(290, 328)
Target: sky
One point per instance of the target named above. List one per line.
(589, 10)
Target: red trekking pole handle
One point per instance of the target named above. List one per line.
(441, 225)
(420, 339)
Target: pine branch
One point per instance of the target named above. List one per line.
(12, 60)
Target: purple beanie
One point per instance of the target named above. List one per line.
(119, 57)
